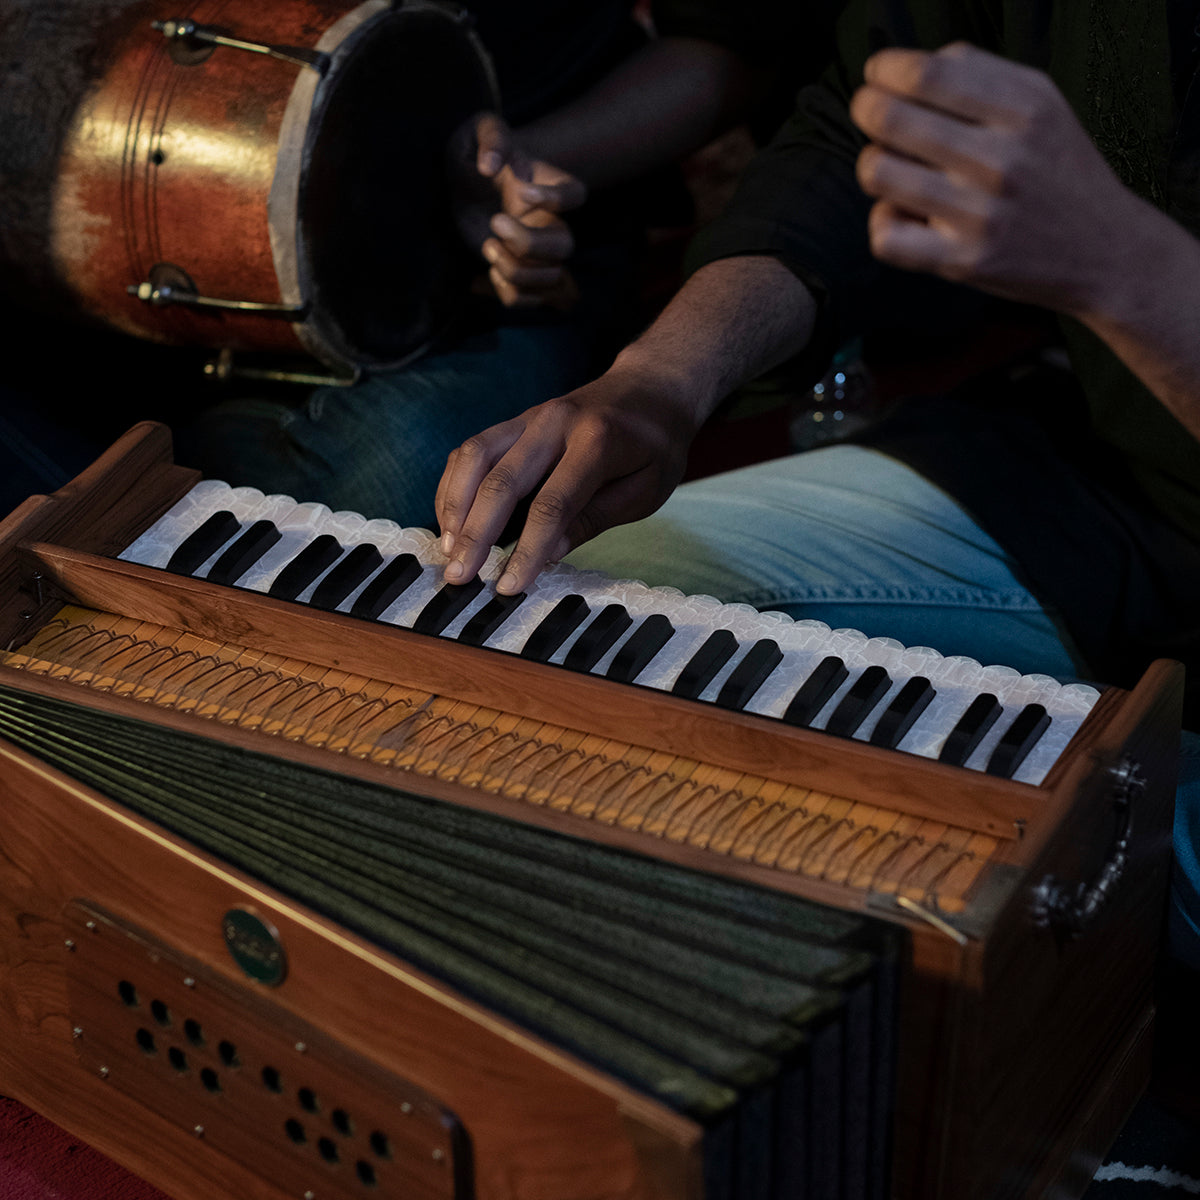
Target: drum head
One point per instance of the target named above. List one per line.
(380, 260)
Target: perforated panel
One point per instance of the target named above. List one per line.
(251, 1080)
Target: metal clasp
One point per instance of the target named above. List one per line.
(183, 31)
(169, 284)
(1067, 910)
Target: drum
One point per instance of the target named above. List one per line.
(244, 175)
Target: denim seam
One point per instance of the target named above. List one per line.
(964, 597)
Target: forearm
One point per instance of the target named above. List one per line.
(666, 100)
(1147, 310)
(731, 321)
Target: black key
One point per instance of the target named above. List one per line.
(980, 716)
(554, 629)
(364, 560)
(646, 641)
(318, 556)
(1017, 741)
(898, 718)
(854, 707)
(750, 674)
(598, 638)
(382, 592)
(828, 675)
(489, 618)
(202, 543)
(244, 553)
(703, 666)
(449, 602)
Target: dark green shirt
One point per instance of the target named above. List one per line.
(546, 52)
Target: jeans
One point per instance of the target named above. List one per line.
(36, 455)
(379, 447)
(851, 537)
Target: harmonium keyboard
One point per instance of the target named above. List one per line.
(321, 879)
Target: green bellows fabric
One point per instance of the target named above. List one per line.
(740, 1007)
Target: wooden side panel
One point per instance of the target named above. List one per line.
(1047, 1023)
(102, 509)
(541, 1125)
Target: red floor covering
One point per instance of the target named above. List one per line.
(38, 1161)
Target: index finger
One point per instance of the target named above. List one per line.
(546, 537)
(959, 79)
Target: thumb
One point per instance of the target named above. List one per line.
(563, 194)
(493, 144)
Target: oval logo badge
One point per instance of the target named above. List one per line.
(255, 946)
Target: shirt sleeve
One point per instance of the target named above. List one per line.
(799, 200)
(763, 31)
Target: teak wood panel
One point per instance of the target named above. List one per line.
(641, 716)
(536, 1116)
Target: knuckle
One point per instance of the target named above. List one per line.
(868, 169)
(450, 506)
(498, 483)
(588, 524)
(548, 508)
(930, 71)
(887, 116)
(473, 450)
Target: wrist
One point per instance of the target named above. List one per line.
(667, 380)
(1151, 262)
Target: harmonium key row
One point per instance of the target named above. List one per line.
(797, 672)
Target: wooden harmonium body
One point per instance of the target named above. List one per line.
(341, 892)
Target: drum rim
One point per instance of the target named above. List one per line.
(283, 200)
(340, 41)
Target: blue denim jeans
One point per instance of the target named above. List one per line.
(379, 447)
(851, 537)
(36, 455)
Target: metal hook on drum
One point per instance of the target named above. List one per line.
(186, 34)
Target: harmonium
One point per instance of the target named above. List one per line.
(320, 879)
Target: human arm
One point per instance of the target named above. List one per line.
(663, 101)
(508, 207)
(613, 450)
(982, 174)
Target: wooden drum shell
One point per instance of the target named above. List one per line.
(202, 164)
